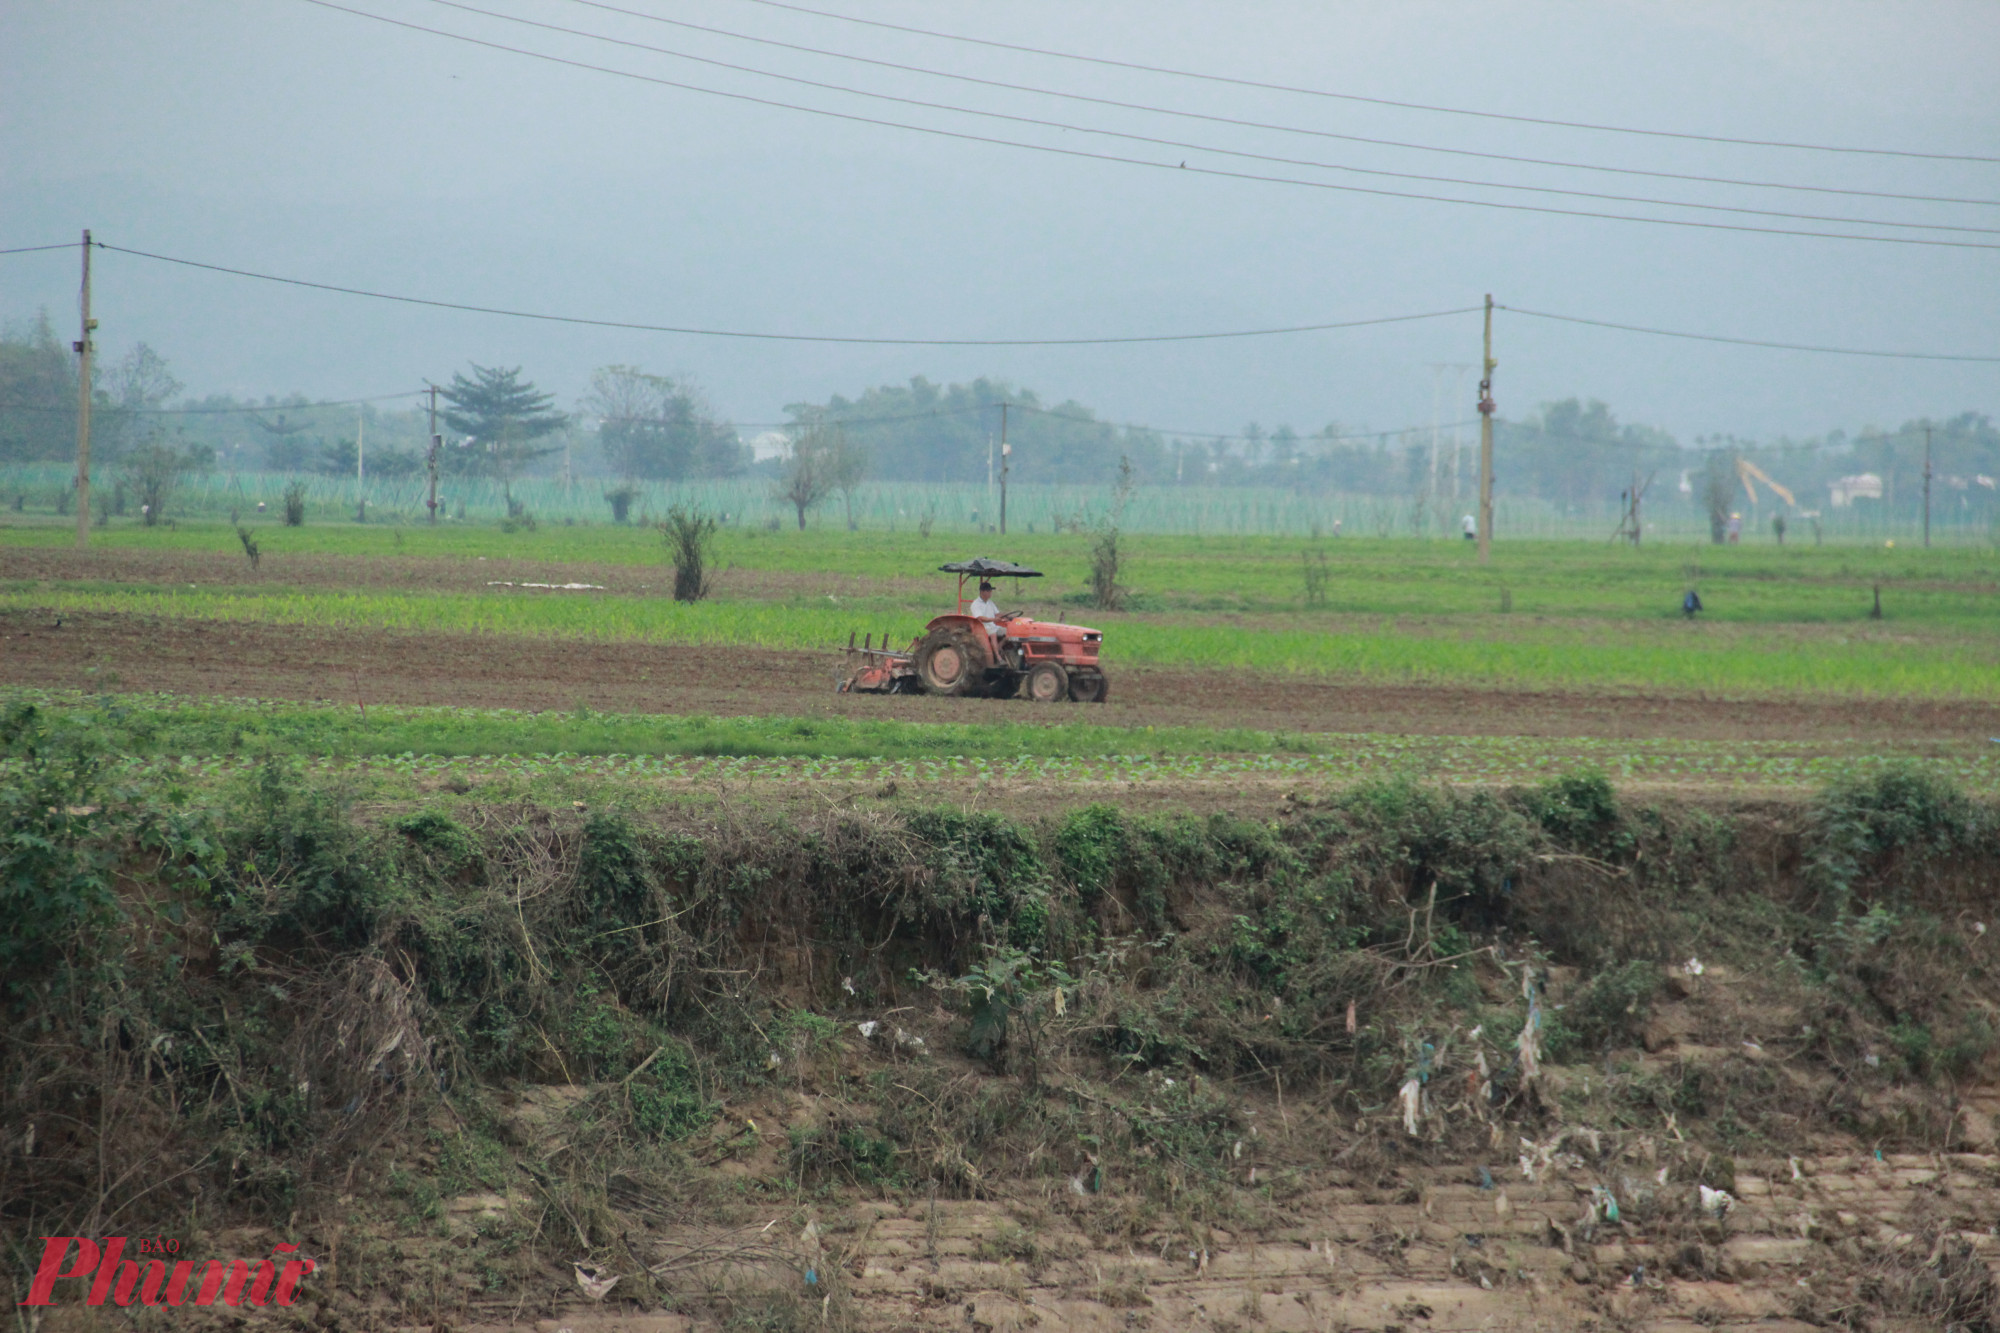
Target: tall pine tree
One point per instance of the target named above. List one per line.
(504, 416)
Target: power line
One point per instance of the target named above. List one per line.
(780, 337)
(1272, 126)
(1375, 101)
(1143, 162)
(219, 411)
(1750, 342)
(1210, 435)
(988, 342)
(31, 249)
(1182, 144)
(1167, 432)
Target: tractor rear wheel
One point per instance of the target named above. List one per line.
(948, 661)
(1046, 683)
(1089, 687)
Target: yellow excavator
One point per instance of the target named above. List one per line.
(1750, 474)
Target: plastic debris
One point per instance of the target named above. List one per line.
(1530, 1040)
(594, 1282)
(1716, 1202)
(1412, 1099)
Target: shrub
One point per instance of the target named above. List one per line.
(55, 855)
(1577, 808)
(295, 505)
(1609, 1009)
(1105, 594)
(299, 866)
(690, 536)
(1860, 825)
(620, 499)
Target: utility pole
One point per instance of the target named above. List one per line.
(436, 440)
(84, 348)
(1006, 450)
(1486, 442)
(1927, 488)
(360, 467)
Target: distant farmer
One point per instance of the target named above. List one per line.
(1690, 603)
(1733, 532)
(984, 608)
(1471, 526)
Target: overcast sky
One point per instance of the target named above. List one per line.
(288, 138)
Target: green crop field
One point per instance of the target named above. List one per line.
(1796, 619)
(203, 739)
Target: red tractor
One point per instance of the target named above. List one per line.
(1007, 656)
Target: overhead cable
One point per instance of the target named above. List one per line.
(1087, 155)
(1750, 342)
(781, 337)
(1970, 358)
(1375, 101)
(1184, 145)
(1272, 126)
(215, 411)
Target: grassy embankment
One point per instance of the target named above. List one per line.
(1791, 620)
(269, 1006)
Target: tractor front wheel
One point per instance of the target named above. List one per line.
(1089, 687)
(949, 662)
(1046, 683)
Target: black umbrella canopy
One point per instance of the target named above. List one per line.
(986, 568)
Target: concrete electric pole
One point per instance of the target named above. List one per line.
(1486, 442)
(84, 348)
(432, 466)
(1927, 488)
(1006, 452)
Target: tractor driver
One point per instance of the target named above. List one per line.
(983, 608)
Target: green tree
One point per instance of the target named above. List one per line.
(154, 471)
(1576, 452)
(929, 432)
(846, 469)
(657, 427)
(134, 386)
(38, 385)
(1718, 491)
(502, 417)
(807, 471)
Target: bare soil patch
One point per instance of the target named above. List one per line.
(197, 657)
(347, 573)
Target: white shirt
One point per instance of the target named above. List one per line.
(983, 608)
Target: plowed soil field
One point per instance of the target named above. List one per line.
(194, 657)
